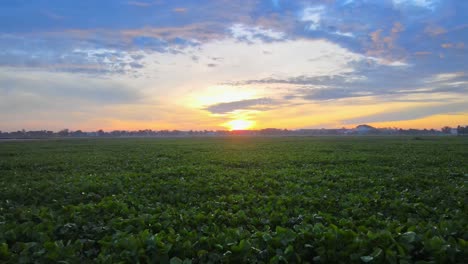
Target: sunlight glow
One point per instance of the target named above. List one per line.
(220, 94)
(239, 124)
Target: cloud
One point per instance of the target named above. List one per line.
(428, 4)
(422, 53)
(298, 80)
(434, 30)
(313, 15)
(63, 86)
(252, 22)
(386, 46)
(139, 3)
(411, 113)
(347, 2)
(203, 31)
(448, 76)
(382, 82)
(250, 34)
(344, 34)
(179, 10)
(160, 77)
(45, 54)
(459, 45)
(250, 104)
(52, 15)
(331, 94)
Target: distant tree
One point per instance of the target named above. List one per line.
(63, 133)
(462, 130)
(446, 129)
(77, 133)
(101, 133)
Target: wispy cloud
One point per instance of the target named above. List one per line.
(387, 83)
(243, 32)
(422, 53)
(52, 15)
(30, 54)
(429, 4)
(447, 76)
(385, 46)
(434, 30)
(410, 113)
(459, 45)
(139, 3)
(180, 10)
(249, 104)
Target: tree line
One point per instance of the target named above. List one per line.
(446, 130)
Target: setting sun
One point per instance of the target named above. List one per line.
(240, 124)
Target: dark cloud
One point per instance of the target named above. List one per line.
(195, 58)
(381, 81)
(329, 94)
(252, 104)
(298, 80)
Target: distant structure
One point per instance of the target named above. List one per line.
(365, 129)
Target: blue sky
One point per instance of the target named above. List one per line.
(204, 64)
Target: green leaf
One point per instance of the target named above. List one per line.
(289, 250)
(367, 258)
(436, 243)
(376, 253)
(266, 237)
(4, 250)
(408, 237)
(176, 260)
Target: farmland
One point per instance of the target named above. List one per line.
(235, 199)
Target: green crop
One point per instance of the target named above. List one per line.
(235, 200)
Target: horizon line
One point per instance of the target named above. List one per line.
(227, 130)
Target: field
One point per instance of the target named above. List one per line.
(238, 199)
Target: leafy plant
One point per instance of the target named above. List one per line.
(234, 200)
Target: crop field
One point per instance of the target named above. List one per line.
(235, 200)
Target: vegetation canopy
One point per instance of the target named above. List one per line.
(233, 200)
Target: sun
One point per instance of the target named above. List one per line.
(239, 124)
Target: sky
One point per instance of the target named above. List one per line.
(170, 64)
